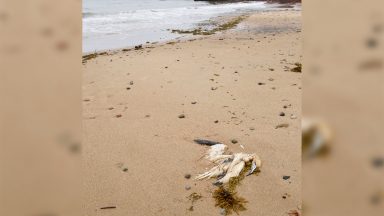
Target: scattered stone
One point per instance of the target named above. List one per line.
(286, 177)
(181, 116)
(271, 69)
(147, 116)
(213, 88)
(285, 106)
(187, 187)
(251, 128)
(128, 88)
(187, 176)
(284, 197)
(281, 114)
(125, 170)
(110, 108)
(284, 125)
(166, 67)
(217, 121)
(261, 83)
(271, 79)
(273, 88)
(118, 116)
(234, 141)
(216, 74)
(131, 83)
(193, 102)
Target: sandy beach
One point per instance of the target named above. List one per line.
(143, 108)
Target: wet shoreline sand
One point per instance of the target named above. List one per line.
(235, 84)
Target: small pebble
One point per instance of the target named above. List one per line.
(131, 83)
(187, 176)
(181, 116)
(281, 114)
(194, 102)
(217, 121)
(251, 128)
(234, 141)
(118, 115)
(286, 177)
(260, 83)
(125, 170)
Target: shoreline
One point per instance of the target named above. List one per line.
(219, 20)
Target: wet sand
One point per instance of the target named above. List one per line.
(230, 85)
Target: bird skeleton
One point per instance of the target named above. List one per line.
(226, 165)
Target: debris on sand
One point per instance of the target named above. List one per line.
(205, 142)
(316, 137)
(108, 207)
(293, 213)
(193, 197)
(138, 47)
(181, 116)
(297, 69)
(284, 125)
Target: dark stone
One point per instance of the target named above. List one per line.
(187, 176)
(282, 114)
(234, 141)
(181, 116)
(286, 177)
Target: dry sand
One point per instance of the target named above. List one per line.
(136, 148)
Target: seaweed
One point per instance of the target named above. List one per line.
(297, 69)
(226, 196)
(92, 56)
(200, 31)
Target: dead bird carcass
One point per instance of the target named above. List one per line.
(226, 166)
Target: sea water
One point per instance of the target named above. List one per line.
(114, 24)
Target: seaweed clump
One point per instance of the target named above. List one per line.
(200, 31)
(92, 56)
(226, 196)
(297, 69)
